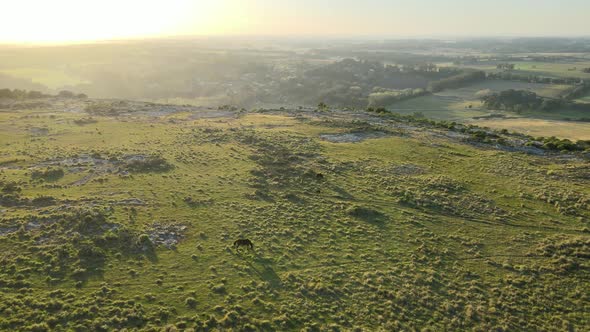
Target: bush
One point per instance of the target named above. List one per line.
(144, 240)
(149, 164)
(9, 187)
(66, 94)
(364, 213)
(190, 302)
(40, 327)
(50, 174)
(43, 201)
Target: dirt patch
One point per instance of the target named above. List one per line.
(522, 148)
(352, 137)
(135, 108)
(7, 230)
(131, 201)
(166, 235)
(96, 165)
(211, 114)
(38, 131)
(407, 169)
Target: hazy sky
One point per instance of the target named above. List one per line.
(78, 20)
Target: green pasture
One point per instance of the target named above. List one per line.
(402, 232)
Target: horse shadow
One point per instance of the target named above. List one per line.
(263, 269)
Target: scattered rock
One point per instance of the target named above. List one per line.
(166, 235)
(36, 131)
(131, 201)
(352, 137)
(407, 169)
(7, 230)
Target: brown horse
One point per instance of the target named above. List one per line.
(243, 243)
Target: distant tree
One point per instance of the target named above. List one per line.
(520, 101)
(457, 81)
(66, 94)
(576, 91)
(35, 94)
(505, 66)
(5, 93)
(386, 97)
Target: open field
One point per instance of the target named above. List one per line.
(572, 69)
(539, 127)
(546, 69)
(463, 105)
(128, 220)
(470, 92)
(541, 123)
(453, 104)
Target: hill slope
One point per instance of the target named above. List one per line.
(127, 219)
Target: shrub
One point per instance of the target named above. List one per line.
(66, 94)
(220, 288)
(364, 213)
(43, 201)
(149, 164)
(50, 174)
(190, 302)
(40, 327)
(144, 240)
(10, 187)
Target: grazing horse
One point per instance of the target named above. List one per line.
(243, 243)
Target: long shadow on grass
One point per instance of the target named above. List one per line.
(369, 215)
(342, 194)
(266, 272)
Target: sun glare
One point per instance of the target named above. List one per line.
(41, 21)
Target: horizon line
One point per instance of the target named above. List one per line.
(325, 37)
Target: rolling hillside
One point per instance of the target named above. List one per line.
(122, 215)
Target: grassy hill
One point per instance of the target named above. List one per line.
(359, 222)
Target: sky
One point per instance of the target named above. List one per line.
(31, 21)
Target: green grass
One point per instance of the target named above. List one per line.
(463, 105)
(541, 127)
(554, 69)
(470, 92)
(546, 69)
(405, 232)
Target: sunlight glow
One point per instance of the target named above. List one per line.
(42, 21)
(58, 21)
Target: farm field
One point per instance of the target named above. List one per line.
(463, 105)
(470, 92)
(540, 127)
(359, 222)
(547, 69)
(453, 104)
(572, 69)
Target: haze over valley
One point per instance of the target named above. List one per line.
(295, 166)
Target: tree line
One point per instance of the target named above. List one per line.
(509, 76)
(522, 100)
(24, 94)
(457, 81)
